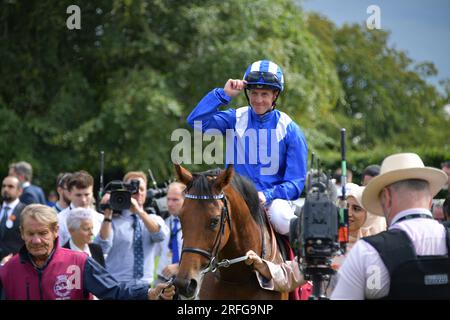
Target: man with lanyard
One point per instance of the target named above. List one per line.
(264, 144)
(169, 250)
(398, 263)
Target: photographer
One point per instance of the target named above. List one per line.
(129, 238)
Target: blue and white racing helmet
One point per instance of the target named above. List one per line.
(264, 74)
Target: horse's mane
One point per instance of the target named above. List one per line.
(242, 185)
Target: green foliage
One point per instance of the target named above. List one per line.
(136, 69)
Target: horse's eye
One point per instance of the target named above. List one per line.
(213, 223)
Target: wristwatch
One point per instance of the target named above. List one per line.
(107, 220)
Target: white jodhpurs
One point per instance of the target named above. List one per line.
(280, 213)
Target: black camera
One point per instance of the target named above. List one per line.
(121, 193)
(157, 202)
(314, 234)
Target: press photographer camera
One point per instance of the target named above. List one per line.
(121, 193)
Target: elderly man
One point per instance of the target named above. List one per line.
(10, 240)
(129, 238)
(391, 264)
(44, 271)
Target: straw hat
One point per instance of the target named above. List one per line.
(398, 167)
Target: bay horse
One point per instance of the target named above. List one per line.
(221, 219)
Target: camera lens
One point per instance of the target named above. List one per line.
(120, 200)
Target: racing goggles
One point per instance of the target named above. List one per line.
(263, 78)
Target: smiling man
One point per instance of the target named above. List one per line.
(264, 144)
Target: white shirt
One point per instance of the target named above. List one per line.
(25, 184)
(11, 206)
(364, 275)
(74, 247)
(165, 255)
(64, 234)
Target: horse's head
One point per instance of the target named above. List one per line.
(206, 224)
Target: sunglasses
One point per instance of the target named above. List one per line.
(267, 77)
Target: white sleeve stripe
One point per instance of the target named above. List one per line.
(241, 120)
(282, 125)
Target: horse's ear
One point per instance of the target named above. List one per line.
(183, 175)
(224, 178)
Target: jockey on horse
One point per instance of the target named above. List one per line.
(276, 161)
(264, 144)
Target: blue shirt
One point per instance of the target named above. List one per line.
(274, 158)
(119, 247)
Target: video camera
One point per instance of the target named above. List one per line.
(121, 193)
(157, 202)
(320, 231)
(315, 233)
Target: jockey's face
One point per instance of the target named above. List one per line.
(261, 100)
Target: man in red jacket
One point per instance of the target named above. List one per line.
(44, 271)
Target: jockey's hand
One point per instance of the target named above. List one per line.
(234, 87)
(258, 264)
(262, 198)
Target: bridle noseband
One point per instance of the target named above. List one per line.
(224, 217)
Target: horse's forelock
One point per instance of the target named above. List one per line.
(202, 183)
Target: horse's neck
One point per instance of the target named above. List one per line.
(245, 235)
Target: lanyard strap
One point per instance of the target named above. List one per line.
(414, 216)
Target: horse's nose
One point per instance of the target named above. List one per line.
(186, 287)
